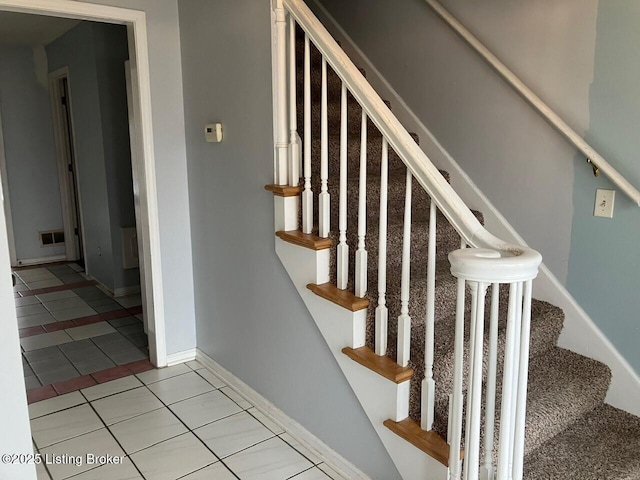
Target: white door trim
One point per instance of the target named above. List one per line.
(13, 258)
(139, 56)
(66, 189)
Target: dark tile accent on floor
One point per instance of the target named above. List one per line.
(135, 310)
(30, 331)
(54, 327)
(115, 314)
(112, 374)
(74, 384)
(40, 393)
(140, 366)
(58, 288)
(88, 320)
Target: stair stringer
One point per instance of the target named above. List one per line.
(380, 398)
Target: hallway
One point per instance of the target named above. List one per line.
(72, 334)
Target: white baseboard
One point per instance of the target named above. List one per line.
(580, 333)
(181, 357)
(273, 413)
(25, 262)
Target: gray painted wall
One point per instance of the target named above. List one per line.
(163, 36)
(489, 130)
(32, 171)
(240, 286)
(95, 54)
(604, 267)
(580, 58)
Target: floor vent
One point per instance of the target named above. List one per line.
(55, 237)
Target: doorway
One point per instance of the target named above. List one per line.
(61, 107)
(143, 164)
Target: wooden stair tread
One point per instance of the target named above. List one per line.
(381, 364)
(428, 441)
(344, 298)
(284, 190)
(308, 240)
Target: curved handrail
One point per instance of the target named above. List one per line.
(536, 102)
(444, 196)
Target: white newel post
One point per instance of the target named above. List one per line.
(479, 268)
(282, 125)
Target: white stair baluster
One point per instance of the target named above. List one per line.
(404, 320)
(472, 450)
(508, 396)
(455, 420)
(324, 198)
(307, 194)
(382, 312)
(486, 471)
(294, 142)
(343, 248)
(428, 384)
(361, 253)
(472, 380)
(521, 408)
(282, 133)
(516, 374)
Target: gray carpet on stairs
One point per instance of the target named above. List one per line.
(570, 433)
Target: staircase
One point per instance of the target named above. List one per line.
(569, 433)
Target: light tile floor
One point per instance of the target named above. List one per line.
(181, 422)
(73, 331)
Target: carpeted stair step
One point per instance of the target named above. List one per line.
(563, 387)
(600, 445)
(546, 325)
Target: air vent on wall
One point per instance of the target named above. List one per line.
(55, 237)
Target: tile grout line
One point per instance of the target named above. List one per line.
(112, 436)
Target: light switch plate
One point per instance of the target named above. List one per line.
(604, 203)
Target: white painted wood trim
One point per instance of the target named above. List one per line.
(6, 200)
(66, 189)
(273, 413)
(139, 57)
(536, 102)
(181, 357)
(580, 333)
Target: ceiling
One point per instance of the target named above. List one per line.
(32, 30)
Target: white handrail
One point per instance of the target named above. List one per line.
(536, 102)
(445, 197)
